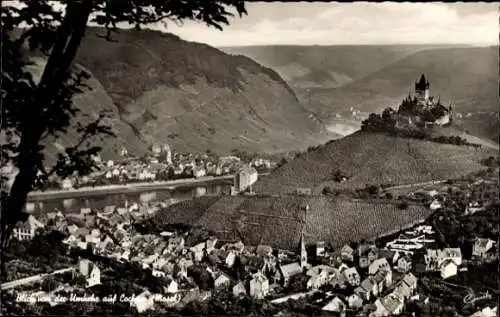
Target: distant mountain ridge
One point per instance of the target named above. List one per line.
(328, 66)
(346, 83)
(159, 88)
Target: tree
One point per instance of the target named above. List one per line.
(33, 112)
(49, 284)
(403, 205)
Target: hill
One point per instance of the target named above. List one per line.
(195, 97)
(278, 221)
(374, 158)
(159, 88)
(483, 124)
(466, 76)
(326, 66)
(90, 104)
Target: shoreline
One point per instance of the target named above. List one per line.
(126, 188)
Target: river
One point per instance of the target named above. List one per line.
(100, 200)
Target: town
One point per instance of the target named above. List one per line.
(161, 165)
(178, 158)
(103, 254)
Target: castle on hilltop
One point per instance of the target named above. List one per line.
(423, 109)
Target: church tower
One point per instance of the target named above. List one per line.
(422, 89)
(303, 251)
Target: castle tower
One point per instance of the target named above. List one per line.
(422, 89)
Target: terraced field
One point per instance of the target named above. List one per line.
(279, 220)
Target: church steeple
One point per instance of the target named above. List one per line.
(303, 251)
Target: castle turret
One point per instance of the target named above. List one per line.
(422, 89)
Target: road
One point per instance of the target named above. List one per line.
(416, 184)
(128, 188)
(33, 279)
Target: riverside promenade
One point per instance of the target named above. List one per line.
(126, 188)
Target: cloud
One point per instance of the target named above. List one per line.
(322, 23)
(353, 23)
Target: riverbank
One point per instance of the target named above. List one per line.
(126, 188)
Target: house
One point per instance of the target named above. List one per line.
(175, 244)
(320, 249)
(157, 273)
(222, 281)
(367, 288)
(230, 259)
(390, 255)
(264, 250)
(347, 253)
(67, 183)
(210, 244)
(143, 302)
(454, 254)
(244, 178)
(383, 279)
(239, 290)
(289, 270)
(259, 286)
(26, 230)
(198, 251)
(448, 268)
(389, 305)
(90, 271)
(85, 211)
(379, 264)
(199, 171)
(481, 247)
(318, 280)
(486, 312)
(367, 253)
(109, 209)
(316, 270)
(403, 264)
(172, 286)
(335, 305)
(435, 205)
(406, 287)
(338, 280)
(110, 163)
(352, 276)
(354, 301)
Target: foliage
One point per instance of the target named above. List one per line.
(49, 284)
(403, 205)
(34, 112)
(491, 162)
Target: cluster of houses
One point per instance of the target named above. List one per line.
(362, 276)
(381, 278)
(163, 164)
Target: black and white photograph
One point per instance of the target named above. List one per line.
(246, 158)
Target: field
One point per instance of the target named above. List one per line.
(279, 220)
(368, 158)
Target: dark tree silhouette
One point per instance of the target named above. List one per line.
(33, 111)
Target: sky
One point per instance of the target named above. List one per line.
(322, 23)
(333, 23)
